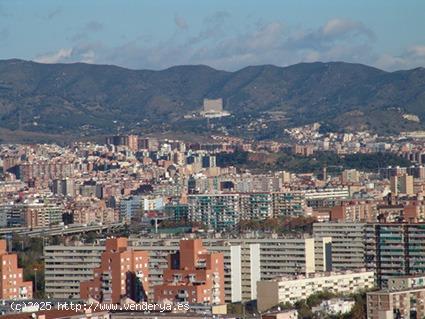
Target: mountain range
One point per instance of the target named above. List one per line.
(86, 100)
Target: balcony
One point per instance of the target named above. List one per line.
(183, 294)
(201, 264)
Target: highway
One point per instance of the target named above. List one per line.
(57, 230)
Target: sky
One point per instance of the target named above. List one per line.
(224, 34)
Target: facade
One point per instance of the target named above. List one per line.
(402, 184)
(123, 272)
(288, 204)
(389, 304)
(348, 245)
(350, 176)
(335, 306)
(216, 211)
(241, 264)
(325, 197)
(291, 289)
(193, 276)
(406, 282)
(355, 211)
(130, 207)
(246, 260)
(394, 249)
(65, 267)
(12, 285)
(225, 210)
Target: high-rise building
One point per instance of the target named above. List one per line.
(123, 272)
(389, 171)
(193, 275)
(216, 211)
(246, 260)
(348, 247)
(65, 267)
(394, 249)
(241, 263)
(64, 187)
(402, 184)
(12, 285)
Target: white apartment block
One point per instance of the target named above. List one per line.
(292, 289)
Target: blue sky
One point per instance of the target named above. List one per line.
(225, 34)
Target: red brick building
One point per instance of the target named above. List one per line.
(12, 285)
(193, 275)
(122, 273)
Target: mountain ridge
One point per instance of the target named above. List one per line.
(80, 98)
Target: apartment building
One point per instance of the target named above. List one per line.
(402, 184)
(389, 304)
(241, 263)
(325, 197)
(394, 249)
(256, 205)
(292, 289)
(355, 211)
(65, 267)
(193, 275)
(288, 204)
(246, 260)
(122, 272)
(225, 210)
(216, 211)
(12, 285)
(348, 245)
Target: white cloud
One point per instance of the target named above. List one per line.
(260, 43)
(417, 50)
(55, 57)
(412, 57)
(88, 57)
(337, 27)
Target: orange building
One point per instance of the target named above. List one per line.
(193, 275)
(355, 211)
(12, 285)
(122, 273)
